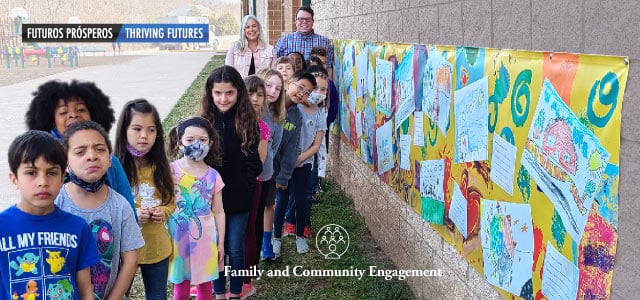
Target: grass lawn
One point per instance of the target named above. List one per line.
(334, 208)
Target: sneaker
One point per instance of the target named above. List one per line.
(301, 245)
(215, 296)
(193, 292)
(307, 232)
(247, 291)
(267, 252)
(277, 245)
(289, 229)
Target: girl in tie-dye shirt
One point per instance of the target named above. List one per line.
(198, 224)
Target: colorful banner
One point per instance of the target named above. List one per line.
(538, 133)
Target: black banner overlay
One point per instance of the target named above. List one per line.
(76, 33)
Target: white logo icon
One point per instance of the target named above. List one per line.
(332, 241)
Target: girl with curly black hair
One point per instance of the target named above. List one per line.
(57, 104)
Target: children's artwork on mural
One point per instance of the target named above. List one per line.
(565, 159)
(371, 80)
(347, 65)
(432, 190)
(436, 89)
(369, 133)
(353, 99)
(358, 124)
(596, 257)
(362, 60)
(384, 145)
(345, 118)
(471, 117)
(458, 210)
(431, 179)
(383, 86)
(405, 90)
(418, 129)
(503, 158)
(546, 167)
(405, 146)
(606, 199)
(365, 153)
(470, 63)
(559, 276)
(506, 232)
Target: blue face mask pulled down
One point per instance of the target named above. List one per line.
(196, 151)
(90, 187)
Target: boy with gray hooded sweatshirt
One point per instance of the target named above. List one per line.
(298, 88)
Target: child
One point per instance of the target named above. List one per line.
(330, 107)
(320, 53)
(311, 145)
(321, 157)
(333, 98)
(109, 215)
(298, 90)
(314, 61)
(198, 224)
(274, 117)
(37, 162)
(253, 233)
(285, 66)
(57, 104)
(140, 147)
(226, 105)
(298, 61)
(256, 91)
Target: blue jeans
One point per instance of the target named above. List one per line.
(290, 215)
(234, 248)
(313, 179)
(298, 189)
(154, 277)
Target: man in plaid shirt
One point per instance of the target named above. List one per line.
(304, 39)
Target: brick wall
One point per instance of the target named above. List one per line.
(280, 18)
(274, 21)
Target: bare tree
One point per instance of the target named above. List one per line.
(52, 6)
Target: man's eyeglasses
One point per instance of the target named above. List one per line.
(304, 19)
(301, 89)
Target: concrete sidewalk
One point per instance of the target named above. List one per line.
(161, 78)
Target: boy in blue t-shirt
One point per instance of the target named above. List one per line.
(44, 252)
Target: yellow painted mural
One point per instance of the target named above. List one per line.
(512, 156)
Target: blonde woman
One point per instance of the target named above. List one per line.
(250, 52)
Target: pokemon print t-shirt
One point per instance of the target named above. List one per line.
(40, 255)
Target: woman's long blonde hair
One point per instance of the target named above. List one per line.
(242, 39)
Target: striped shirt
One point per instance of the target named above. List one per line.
(296, 42)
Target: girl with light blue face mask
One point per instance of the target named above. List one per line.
(196, 151)
(197, 227)
(194, 139)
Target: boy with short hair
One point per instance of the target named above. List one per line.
(45, 251)
(298, 88)
(286, 67)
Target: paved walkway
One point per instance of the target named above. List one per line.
(160, 78)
